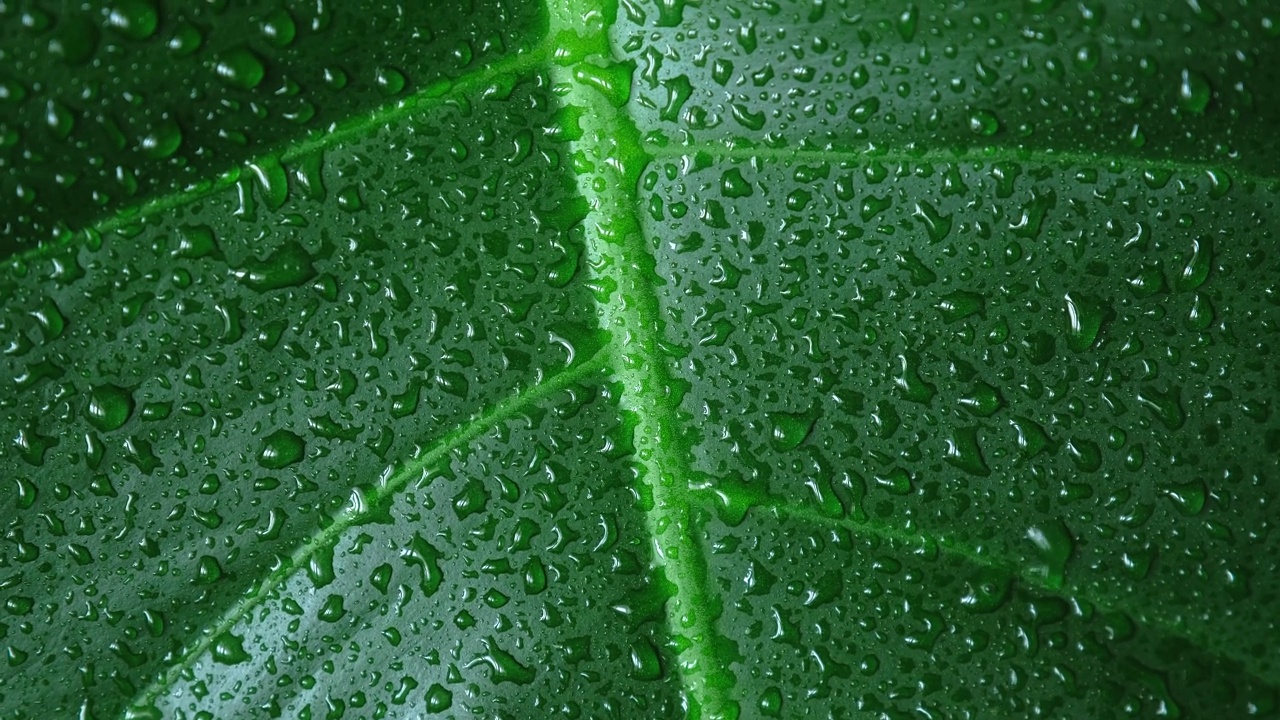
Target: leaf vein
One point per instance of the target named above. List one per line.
(978, 559)
(393, 482)
(965, 154)
(353, 127)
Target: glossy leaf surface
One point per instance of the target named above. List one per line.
(639, 360)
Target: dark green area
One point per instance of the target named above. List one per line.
(831, 621)
(196, 395)
(1161, 82)
(510, 579)
(983, 350)
(105, 105)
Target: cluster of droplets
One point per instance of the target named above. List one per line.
(509, 578)
(193, 395)
(833, 620)
(107, 106)
(1057, 366)
(975, 429)
(1075, 76)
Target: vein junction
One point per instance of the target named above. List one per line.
(607, 159)
(393, 482)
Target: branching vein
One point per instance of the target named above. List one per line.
(392, 483)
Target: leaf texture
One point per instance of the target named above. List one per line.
(639, 360)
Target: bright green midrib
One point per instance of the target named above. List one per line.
(966, 154)
(811, 516)
(616, 248)
(511, 407)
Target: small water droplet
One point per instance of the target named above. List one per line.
(984, 123)
(135, 19)
(240, 68)
(389, 80)
(1194, 92)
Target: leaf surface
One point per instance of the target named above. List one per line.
(720, 360)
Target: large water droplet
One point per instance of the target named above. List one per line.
(109, 407)
(240, 68)
(1053, 548)
(281, 449)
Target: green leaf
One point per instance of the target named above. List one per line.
(723, 360)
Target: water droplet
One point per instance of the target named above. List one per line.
(983, 400)
(864, 110)
(279, 28)
(75, 40)
(961, 304)
(987, 590)
(910, 385)
(320, 567)
(771, 702)
(984, 123)
(349, 199)
(1086, 454)
(196, 241)
(439, 699)
(1189, 498)
(1084, 321)
(1166, 406)
(936, 225)
(273, 183)
(186, 39)
(59, 119)
(896, 482)
(208, 571)
(733, 185)
(281, 449)
(1053, 548)
(613, 81)
(1196, 268)
(471, 499)
(645, 662)
(289, 266)
(427, 557)
(163, 141)
(109, 407)
(228, 649)
(332, 610)
(1200, 317)
(907, 22)
(964, 452)
(308, 174)
(389, 80)
(12, 92)
(135, 19)
(1194, 92)
(50, 319)
(791, 429)
(240, 68)
(503, 666)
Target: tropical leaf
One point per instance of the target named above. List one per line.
(819, 359)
